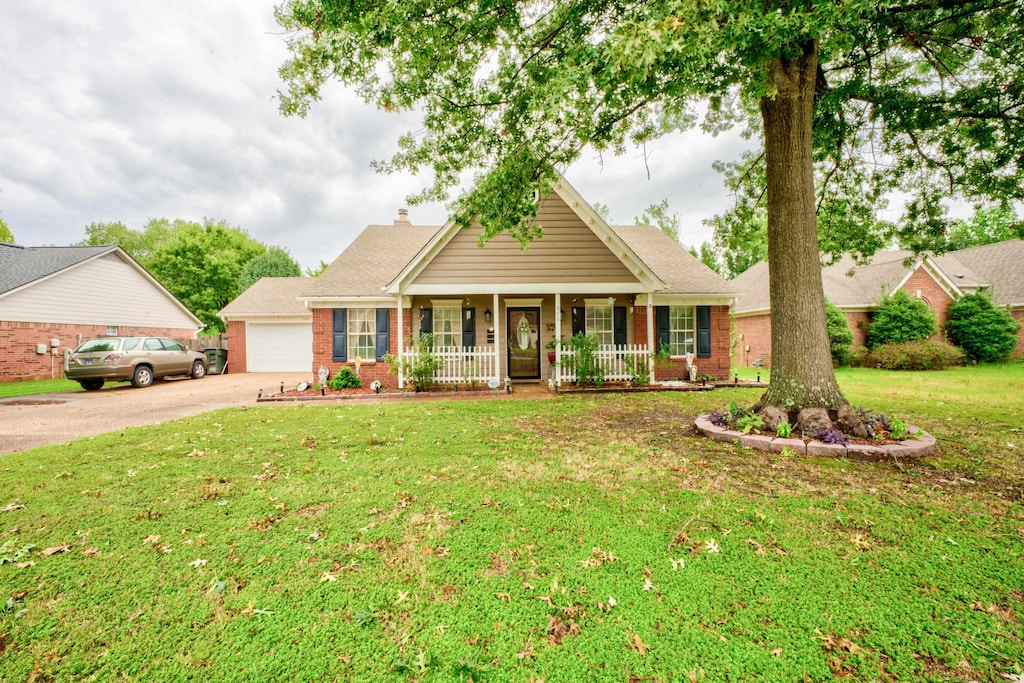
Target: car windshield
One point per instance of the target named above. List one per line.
(99, 346)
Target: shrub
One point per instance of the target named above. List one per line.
(839, 335)
(922, 354)
(583, 359)
(345, 379)
(420, 370)
(901, 319)
(985, 332)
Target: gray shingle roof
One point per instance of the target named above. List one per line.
(372, 261)
(1000, 265)
(675, 266)
(277, 296)
(381, 252)
(20, 266)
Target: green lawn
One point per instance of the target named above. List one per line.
(574, 539)
(37, 386)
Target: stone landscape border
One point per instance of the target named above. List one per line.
(922, 445)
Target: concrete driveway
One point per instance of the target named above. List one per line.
(44, 419)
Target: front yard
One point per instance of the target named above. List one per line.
(575, 539)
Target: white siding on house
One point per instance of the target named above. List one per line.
(278, 347)
(105, 291)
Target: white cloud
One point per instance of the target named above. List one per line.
(129, 111)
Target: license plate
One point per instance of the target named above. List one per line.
(88, 361)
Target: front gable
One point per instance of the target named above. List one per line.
(577, 248)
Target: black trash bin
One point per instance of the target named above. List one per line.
(216, 361)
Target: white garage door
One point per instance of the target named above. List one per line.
(281, 347)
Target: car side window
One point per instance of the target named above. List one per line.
(131, 343)
(154, 345)
(172, 345)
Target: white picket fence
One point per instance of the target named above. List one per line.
(461, 364)
(617, 361)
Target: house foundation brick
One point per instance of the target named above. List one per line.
(717, 365)
(369, 370)
(237, 346)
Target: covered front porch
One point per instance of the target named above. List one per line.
(497, 339)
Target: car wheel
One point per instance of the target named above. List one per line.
(198, 370)
(143, 376)
(92, 384)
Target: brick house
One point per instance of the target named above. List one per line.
(52, 298)
(494, 308)
(936, 279)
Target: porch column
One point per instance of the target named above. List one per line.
(401, 338)
(558, 335)
(652, 348)
(497, 341)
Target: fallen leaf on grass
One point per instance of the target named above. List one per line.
(11, 507)
(89, 552)
(151, 540)
(558, 629)
(648, 585)
(197, 563)
(327, 576)
(57, 549)
(637, 645)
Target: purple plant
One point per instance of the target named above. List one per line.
(720, 418)
(830, 435)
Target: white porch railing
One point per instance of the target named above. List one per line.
(461, 364)
(618, 362)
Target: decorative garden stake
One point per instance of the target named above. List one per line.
(282, 387)
(359, 364)
(322, 374)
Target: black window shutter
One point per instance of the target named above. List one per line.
(579, 320)
(703, 331)
(468, 327)
(339, 348)
(383, 332)
(662, 329)
(619, 335)
(426, 321)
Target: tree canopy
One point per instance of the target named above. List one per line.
(199, 263)
(6, 236)
(274, 262)
(855, 98)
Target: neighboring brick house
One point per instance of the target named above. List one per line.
(52, 298)
(936, 279)
(494, 308)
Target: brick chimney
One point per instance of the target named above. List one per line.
(403, 217)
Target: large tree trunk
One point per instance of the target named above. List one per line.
(802, 374)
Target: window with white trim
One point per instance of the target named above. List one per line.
(682, 321)
(362, 333)
(447, 326)
(600, 322)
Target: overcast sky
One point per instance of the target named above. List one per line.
(126, 111)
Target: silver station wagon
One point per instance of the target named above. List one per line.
(138, 360)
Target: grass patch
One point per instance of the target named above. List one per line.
(37, 386)
(581, 538)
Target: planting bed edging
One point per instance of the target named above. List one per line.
(910, 449)
(384, 394)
